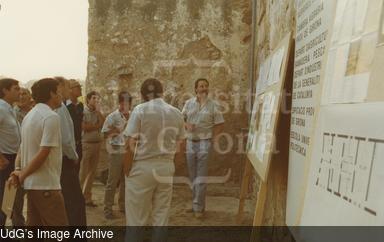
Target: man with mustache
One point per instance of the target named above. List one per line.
(203, 122)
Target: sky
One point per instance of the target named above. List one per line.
(42, 38)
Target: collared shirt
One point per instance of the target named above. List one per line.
(67, 133)
(20, 114)
(41, 128)
(9, 129)
(90, 116)
(203, 117)
(76, 111)
(115, 144)
(158, 126)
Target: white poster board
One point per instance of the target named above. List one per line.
(345, 186)
(314, 19)
(347, 171)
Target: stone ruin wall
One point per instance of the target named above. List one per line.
(176, 41)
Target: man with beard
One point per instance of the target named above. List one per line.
(203, 122)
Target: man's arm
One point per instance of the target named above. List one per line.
(108, 129)
(66, 137)
(100, 120)
(18, 161)
(34, 165)
(89, 127)
(3, 162)
(130, 153)
(180, 152)
(113, 131)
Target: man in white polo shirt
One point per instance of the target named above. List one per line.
(9, 133)
(155, 130)
(113, 128)
(41, 157)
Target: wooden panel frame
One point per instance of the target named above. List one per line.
(262, 166)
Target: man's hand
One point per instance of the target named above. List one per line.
(98, 107)
(114, 131)
(3, 163)
(75, 162)
(16, 179)
(180, 153)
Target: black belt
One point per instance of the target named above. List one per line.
(198, 140)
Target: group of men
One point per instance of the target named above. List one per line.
(50, 144)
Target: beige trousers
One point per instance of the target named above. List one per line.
(88, 168)
(148, 188)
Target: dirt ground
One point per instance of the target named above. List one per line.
(221, 208)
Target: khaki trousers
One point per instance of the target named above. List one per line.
(115, 177)
(149, 188)
(46, 208)
(88, 168)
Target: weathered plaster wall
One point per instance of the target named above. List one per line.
(176, 41)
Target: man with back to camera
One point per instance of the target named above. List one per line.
(113, 128)
(204, 122)
(69, 180)
(155, 130)
(10, 136)
(41, 157)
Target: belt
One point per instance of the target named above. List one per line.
(91, 142)
(198, 140)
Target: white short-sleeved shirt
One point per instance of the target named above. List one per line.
(158, 126)
(9, 129)
(204, 118)
(41, 128)
(116, 144)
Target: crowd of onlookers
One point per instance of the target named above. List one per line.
(50, 145)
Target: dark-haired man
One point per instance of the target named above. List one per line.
(41, 157)
(203, 123)
(91, 141)
(113, 128)
(154, 131)
(9, 133)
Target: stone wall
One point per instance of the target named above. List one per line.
(176, 41)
